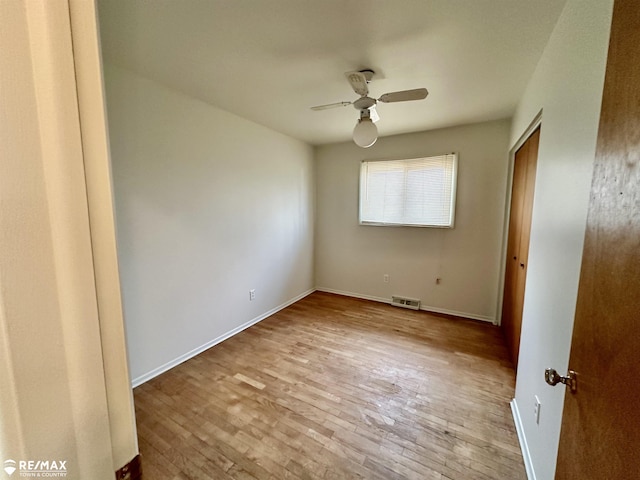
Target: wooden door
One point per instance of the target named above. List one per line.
(600, 435)
(524, 175)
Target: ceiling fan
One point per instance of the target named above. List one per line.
(365, 132)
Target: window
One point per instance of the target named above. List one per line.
(418, 192)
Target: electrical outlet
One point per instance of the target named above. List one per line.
(386, 278)
(536, 409)
(252, 294)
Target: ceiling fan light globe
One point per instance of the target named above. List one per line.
(365, 133)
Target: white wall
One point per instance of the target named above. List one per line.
(208, 206)
(567, 86)
(353, 259)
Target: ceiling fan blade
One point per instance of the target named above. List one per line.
(331, 105)
(358, 82)
(373, 113)
(404, 95)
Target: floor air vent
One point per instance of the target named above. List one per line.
(404, 302)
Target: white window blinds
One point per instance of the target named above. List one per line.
(414, 192)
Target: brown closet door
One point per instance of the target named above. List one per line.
(524, 176)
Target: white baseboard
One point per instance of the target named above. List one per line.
(354, 295)
(526, 455)
(426, 308)
(183, 358)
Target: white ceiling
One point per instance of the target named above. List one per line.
(270, 60)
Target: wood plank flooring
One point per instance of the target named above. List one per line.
(337, 388)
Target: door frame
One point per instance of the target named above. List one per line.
(92, 113)
(535, 123)
(54, 319)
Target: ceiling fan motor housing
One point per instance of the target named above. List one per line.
(364, 103)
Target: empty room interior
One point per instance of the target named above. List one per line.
(329, 240)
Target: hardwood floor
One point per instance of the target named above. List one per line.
(337, 388)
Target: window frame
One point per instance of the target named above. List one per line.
(454, 183)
